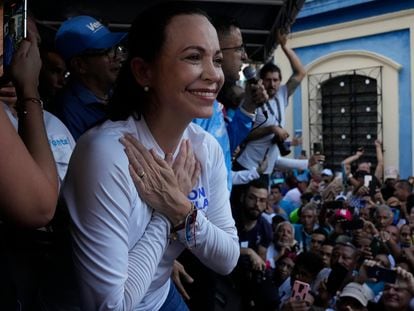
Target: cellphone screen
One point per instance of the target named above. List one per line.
(14, 16)
(367, 180)
(317, 148)
(382, 274)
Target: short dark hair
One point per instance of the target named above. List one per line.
(224, 24)
(311, 262)
(257, 183)
(269, 67)
(276, 186)
(405, 184)
(328, 242)
(146, 39)
(320, 231)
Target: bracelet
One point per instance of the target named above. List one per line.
(187, 223)
(181, 224)
(190, 224)
(29, 99)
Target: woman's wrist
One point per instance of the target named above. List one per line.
(179, 217)
(27, 104)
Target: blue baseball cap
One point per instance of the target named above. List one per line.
(82, 33)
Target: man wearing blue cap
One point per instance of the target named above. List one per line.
(94, 56)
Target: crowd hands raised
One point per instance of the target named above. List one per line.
(148, 184)
(336, 244)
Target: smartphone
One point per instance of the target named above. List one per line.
(373, 187)
(367, 180)
(382, 274)
(317, 148)
(14, 23)
(336, 278)
(300, 290)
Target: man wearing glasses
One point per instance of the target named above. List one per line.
(230, 132)
(93, 55)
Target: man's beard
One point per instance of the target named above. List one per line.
(252, 214)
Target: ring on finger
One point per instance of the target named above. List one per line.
(142, 175)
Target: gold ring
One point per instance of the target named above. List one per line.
(142, 175)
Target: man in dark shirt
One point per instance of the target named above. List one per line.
(255, 235)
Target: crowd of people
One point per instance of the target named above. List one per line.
(137, 174)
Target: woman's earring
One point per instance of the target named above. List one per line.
(146, 88)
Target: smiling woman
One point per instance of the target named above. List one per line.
(134, 212)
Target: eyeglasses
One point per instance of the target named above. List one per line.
(111, 53)
(256, 199)
(240, 49)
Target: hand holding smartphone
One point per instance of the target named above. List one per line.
(14, 22)
(300, 290)
(382, 274)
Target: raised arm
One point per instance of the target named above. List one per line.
(299, 71)
(239, 127)
(29, 182)
(349, 160)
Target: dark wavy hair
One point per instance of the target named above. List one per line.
(146, 39)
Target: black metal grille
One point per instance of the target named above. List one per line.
(345, 113)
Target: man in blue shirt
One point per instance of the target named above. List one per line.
(93, 56)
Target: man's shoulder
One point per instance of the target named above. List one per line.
(75, 94)
(263, 224)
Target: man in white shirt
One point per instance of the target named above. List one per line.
(270, 118)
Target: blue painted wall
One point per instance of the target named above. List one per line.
(313, 7)
(320, 13)
(394, 45)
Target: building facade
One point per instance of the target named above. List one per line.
(359, 56)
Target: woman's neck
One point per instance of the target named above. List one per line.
(166, 130)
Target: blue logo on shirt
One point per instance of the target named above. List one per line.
(199, 198)
(59, 142)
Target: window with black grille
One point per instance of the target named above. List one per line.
(345, 113)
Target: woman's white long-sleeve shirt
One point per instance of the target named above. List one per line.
(123, 256)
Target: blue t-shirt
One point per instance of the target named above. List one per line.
(79, 109)
(229, 134)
